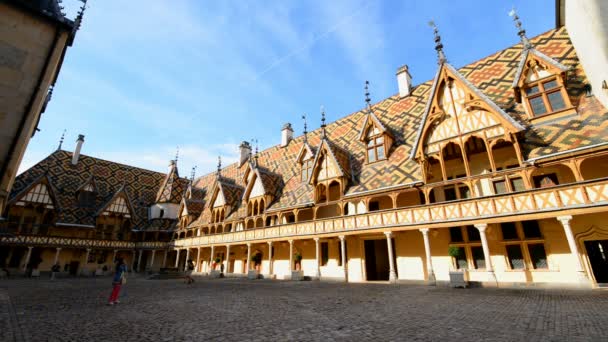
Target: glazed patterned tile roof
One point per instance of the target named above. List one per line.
(173, 187)
(141, 187)
(493, 76)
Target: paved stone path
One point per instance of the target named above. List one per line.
(235, 309)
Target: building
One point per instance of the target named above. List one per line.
(495, 172)
(34, 37)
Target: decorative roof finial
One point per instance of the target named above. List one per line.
(305, 127)
(176, 155)
(367, 99)
(192, 173)
(521, 32)
(61, 140)
(79, 16)
(438, 44)
(323, 125)
(219, 165)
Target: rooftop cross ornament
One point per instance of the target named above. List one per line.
(438, 44)
(521, 32)
(61, 140)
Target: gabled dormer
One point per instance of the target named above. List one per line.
(39, 193)
(376, 137)
(224, 199)
(260, 190)
(305, 160)
(86, 194)
(118, 205)
(540, 85)
(330, 172)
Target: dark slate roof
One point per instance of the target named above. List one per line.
(141, 187)
(47, 8)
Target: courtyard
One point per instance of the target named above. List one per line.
(238, 309)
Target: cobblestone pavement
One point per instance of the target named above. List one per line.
(238, 309)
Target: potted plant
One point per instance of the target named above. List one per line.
(214, 272)
(298, 260)
(257, 261)
(457, 275)
(216, 262)
(297, 274)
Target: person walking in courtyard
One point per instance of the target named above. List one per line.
(54, 270)
(190, 268)
(118, 280)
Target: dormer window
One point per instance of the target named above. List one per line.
(376, 148)
(546, 96)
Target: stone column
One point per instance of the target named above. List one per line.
(57, 255)
(187, 258)
(269, 257)
(86, 261)
(291, 255)
(317, 257)
(343, 254)
(133, 261)
(165, 258)
(482, 227)
(227, 259)
(392, 275)
(177, 258)
(427, 251)
(27, 258)
(141, 251)
(198, 260)
(152, 259)
(211, 257)
(248, 257)
(565, 221)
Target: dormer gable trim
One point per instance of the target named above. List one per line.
(532, 53)
(120, 193)
(304, 151)
(445, 69)
(325, 149)
(89, 185)
(370, 121)
(48, 198)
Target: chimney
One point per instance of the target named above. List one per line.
(245, 150)
(76, 154)
(404, 81)
(286, 134)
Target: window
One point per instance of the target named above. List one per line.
(86, 199)
(306, 171)
(521, 237)
(517, 184)
(162, 213)
(374, 206)
(469, 245)
(324, 253)
(500, 186)
(376, 149)
(450, 194)
(546, 96)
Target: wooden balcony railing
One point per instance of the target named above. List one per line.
(587, 194)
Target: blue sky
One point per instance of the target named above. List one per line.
(144, 77)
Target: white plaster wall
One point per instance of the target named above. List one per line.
(588, 28)
(169, 208)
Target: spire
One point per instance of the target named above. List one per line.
(367, 99)
(219, 165)
(305, 128)
(257, 151)
(323, 125)
(438, 44)
(521, 32)
(176, 154)
(192, 173)
(61, 140)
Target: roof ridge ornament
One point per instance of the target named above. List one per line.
(61, 140)
(305, 128)
(438, 45)
(192, 173)
(176, 155)
(323, 125)
(521, 31)
(367, 99)
(219, 166)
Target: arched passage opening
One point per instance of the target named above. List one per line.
(410, 198)
(553, 175)
(305, 215)
(477, 155)
(259, 222)
(451, 192)
(380, 203)
(321, 192)
(326, 211)
(250, 224)
(504, 155)
(334, 191)
(594, 167)
(453, 161)
(434, 173)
